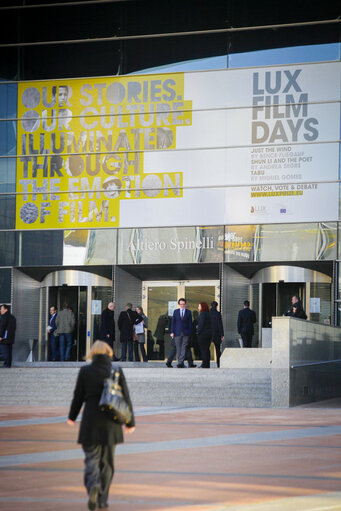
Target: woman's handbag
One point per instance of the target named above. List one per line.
(112, 401)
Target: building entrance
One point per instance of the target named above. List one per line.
(87, 294)
(276, 299)
(160, 299)
(76, 298)
(272, 289)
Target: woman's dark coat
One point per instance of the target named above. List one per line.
(204, 324)
(96, 427)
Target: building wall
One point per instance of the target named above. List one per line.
(127, 288)
(235, 291)
(26, 307)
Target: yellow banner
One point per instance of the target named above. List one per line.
(81, 146)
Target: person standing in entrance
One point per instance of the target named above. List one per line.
(65, 323)
(141, 338)
(246, 320)
(107, 329)
(51, 328)
(126, 321)
(8, 326)
(204, 334)
(217, 329)
(181, 328)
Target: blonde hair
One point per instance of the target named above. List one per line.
(100, 348)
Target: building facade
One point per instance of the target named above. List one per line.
(213, 177)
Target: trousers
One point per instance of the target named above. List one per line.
(247, 339)
(172, 354)
(99, 469)
(181, 342)
(65, 351)
(204, 341)
(127, 343)
(6, 352)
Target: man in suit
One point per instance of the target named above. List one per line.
(7, 334)
(246, 320)
(295, 303)
(181, 329)
(126, 321)
(51, 328)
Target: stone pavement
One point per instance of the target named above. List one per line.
(179, 459)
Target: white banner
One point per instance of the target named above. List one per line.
(290, 136)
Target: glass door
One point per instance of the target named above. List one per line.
(161, 301)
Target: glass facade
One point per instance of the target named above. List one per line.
(242, 242)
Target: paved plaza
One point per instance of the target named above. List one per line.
(180, 459)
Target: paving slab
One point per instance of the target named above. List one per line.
(180, 459)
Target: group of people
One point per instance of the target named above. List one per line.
(186, 332)
(208, 327)
(132, 324)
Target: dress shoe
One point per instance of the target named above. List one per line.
(93, 495)
(192, 365)
(180, 366)
(169, 365)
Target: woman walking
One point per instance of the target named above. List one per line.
(204, 333)
(98, 434)
(141, 338)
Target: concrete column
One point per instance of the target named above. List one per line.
(280, 362)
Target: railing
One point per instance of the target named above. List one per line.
(315, 363)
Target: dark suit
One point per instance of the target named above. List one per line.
(7, 329)
(246, 320)
(126, 321)
(217, 331)
(107, 327)
(204, 337)
(181, 327)
(98, 434)
(53, 339)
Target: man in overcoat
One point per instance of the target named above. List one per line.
(126, 321)
(246, 320)
(7, 334)
(217, 329)
(107, 329)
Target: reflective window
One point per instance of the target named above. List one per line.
(290, 55)
(169, 245)
(43, 248)
(8, 110)
(5, 285)
(282, 242)
(8, 248)
(89, 247)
